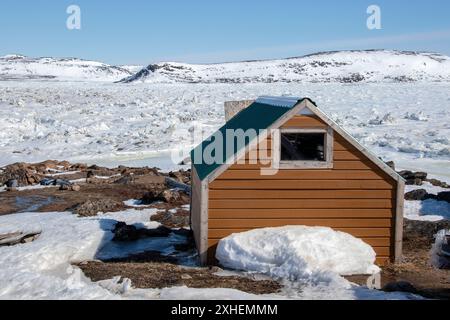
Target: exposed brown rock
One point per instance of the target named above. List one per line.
(93, 207)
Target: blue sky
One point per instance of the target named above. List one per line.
(145, 31)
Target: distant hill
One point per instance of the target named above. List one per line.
(17, 67)
(339, 66)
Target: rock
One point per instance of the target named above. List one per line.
(125, 179)
(215, 269)
(125, 233)
(62, 182)
(93, 207)
(414, 182)
(11, 189)
(400, 286)
(181, 176)
(78, 167)
(151, 197)
(177, 176)
(173, 218)
(90, 174)
(23, 173)
(420, 175)
(419, 194)
(391, 165)
(66, 187)
(30, 238)
(438, 183)
(47, 182)
(444, 196)
(12, 239)
(413, 178)
(170, 196)
(406, 174)
(12, 183)
(186, 277)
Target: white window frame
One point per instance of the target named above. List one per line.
(307, 164)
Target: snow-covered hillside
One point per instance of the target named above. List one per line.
(16, 67)
(342, 66)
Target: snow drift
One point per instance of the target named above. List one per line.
(297, 252)
(339, 66)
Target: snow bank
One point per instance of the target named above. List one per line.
(297, 252)
(42, 269)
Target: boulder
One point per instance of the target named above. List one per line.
(438, 183)
(124, 233)
(413, 178)
(419, 194)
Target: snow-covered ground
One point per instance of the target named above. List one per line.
(141, 124)
(42, 269)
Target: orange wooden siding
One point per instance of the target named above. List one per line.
(355, 196)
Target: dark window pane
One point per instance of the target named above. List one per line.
(302, 147)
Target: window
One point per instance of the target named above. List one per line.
(303, 148)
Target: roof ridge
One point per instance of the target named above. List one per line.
(280, 101)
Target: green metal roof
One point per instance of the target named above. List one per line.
(258, 116)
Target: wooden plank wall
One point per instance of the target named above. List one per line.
(355, 197)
